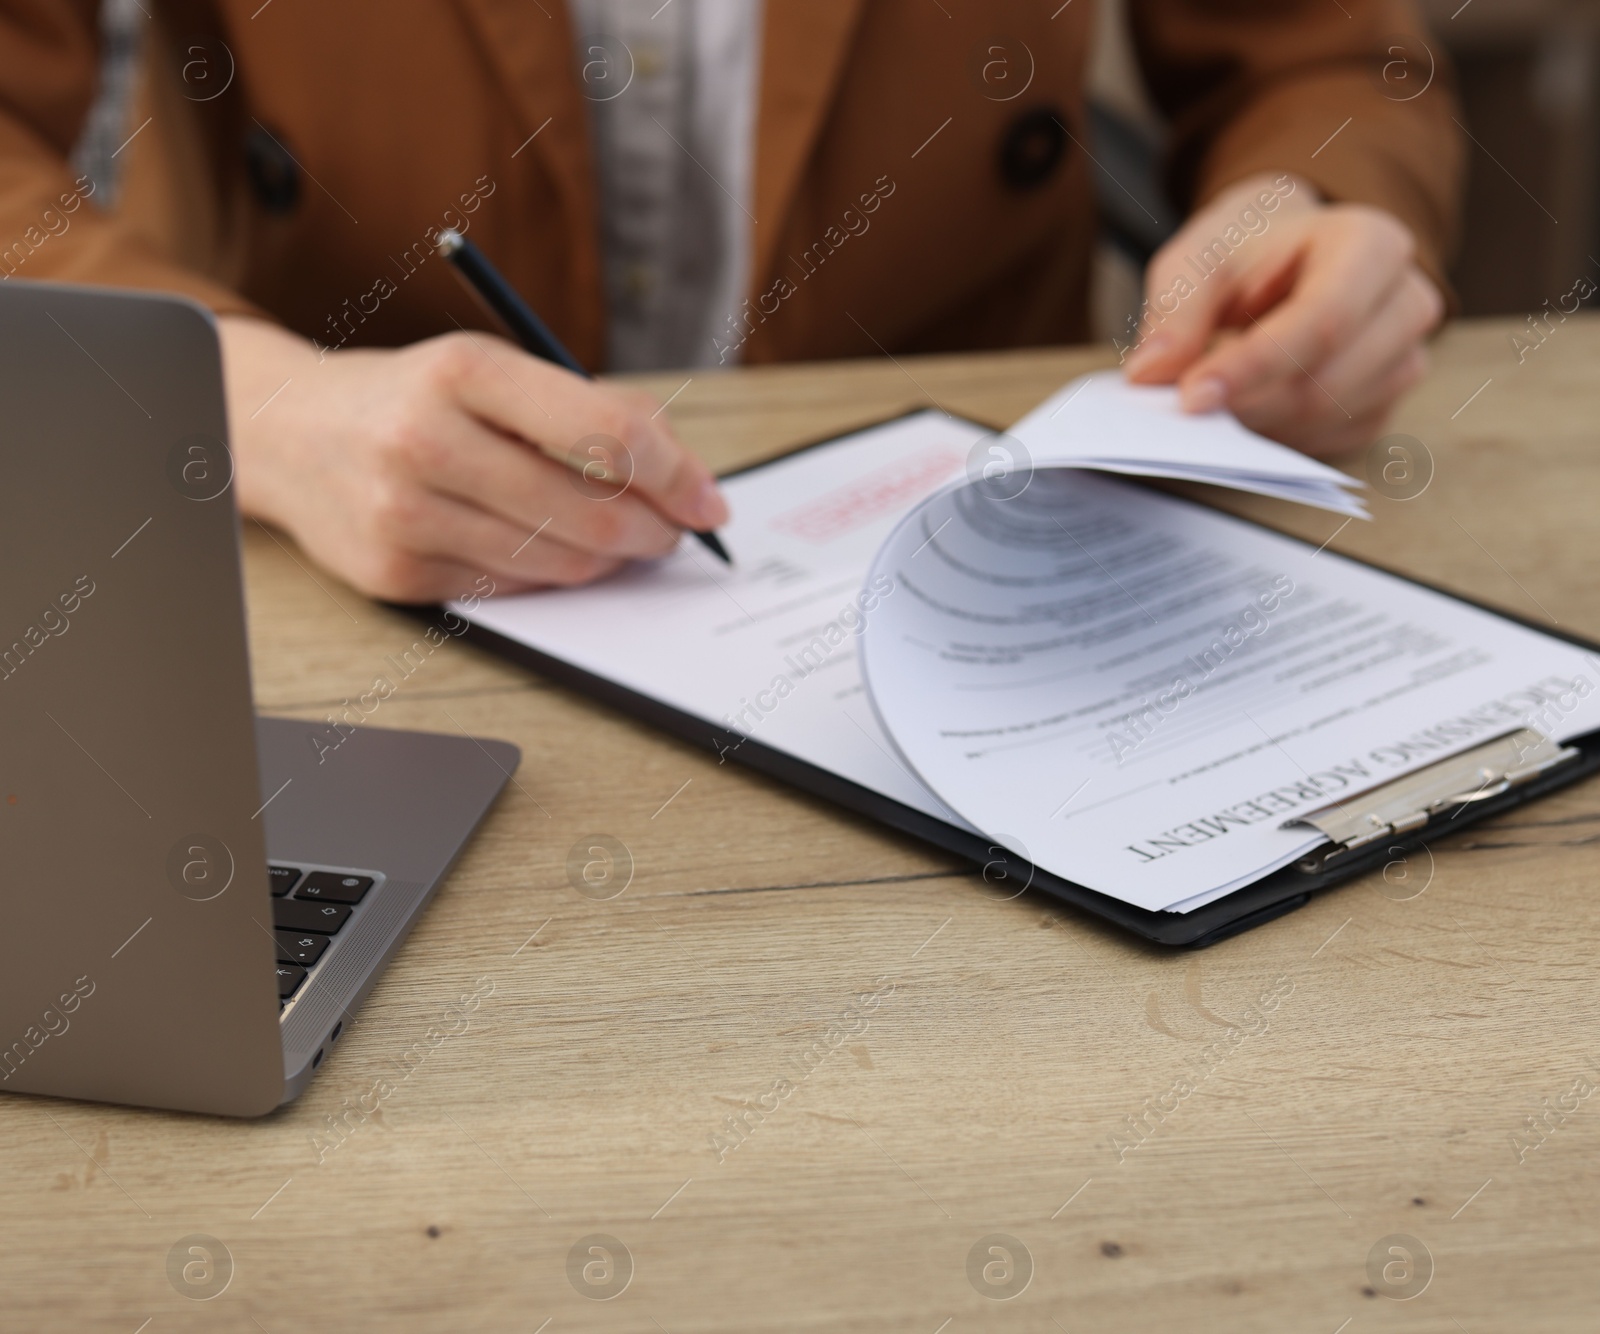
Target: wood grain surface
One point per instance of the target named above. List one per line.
(1413, 1024)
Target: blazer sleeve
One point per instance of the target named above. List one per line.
(1353, 95)
(50, 224)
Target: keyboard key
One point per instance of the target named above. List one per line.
(282, 878)
(299, 947)
(290, 976)
(332, 887)
(293, 915)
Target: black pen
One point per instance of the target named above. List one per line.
(486, 283)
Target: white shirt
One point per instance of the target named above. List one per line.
(672, 91)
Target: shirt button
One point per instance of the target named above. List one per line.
(638, 280)
(647, 61)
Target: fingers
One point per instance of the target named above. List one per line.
(416, 545)
(1357, 374)
(529, 492)
(451, 494)
(1237, 253)
(1334, 439)
(432, 527)
(569, 417)
(1184, 312)
(1350, 262)
(1327, 434)
(405, 577)
(1383, 360)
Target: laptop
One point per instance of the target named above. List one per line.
(197, 900)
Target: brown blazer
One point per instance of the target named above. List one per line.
(295, 158)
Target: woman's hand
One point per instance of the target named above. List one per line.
(412, 472)
(1307, 321)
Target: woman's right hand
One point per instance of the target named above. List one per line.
(412, 472)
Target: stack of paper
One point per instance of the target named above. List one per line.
(1104, 423)
(1143, 696)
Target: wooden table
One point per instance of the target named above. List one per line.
(1009, 1044)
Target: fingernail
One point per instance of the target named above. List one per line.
(1205, 395)
(708, 505)
(1151, 350)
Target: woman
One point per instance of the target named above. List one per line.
(707, 182)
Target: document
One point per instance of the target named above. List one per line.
(1104, 423)
(1133, 692)
(766, 649)
(1141, 695)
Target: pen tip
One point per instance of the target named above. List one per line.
(713, 544)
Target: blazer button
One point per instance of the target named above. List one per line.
(273, 174)
(1032, 148)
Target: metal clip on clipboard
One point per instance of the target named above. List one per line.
(1408, 803)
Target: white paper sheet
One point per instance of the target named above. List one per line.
(1137, 693)
(768, 647)
(1104, 423)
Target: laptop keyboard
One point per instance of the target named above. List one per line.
(310, 908)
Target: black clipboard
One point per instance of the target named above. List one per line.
(1272, 896)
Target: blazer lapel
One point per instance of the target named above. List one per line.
(804, 47)
(530, 44)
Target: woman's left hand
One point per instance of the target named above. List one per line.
(1309, 328)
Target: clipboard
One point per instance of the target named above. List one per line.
(1388, 822)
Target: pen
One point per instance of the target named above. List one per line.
(487, 284)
